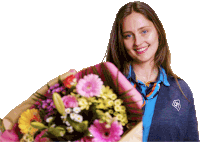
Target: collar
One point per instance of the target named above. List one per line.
(162, 77)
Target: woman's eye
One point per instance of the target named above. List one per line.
(144, 32)
(127, 36)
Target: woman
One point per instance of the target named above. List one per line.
(138, 47)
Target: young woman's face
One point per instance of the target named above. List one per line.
(140, 37)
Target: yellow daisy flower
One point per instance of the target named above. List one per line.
(83, 103)
(113, 96)
(106, 91)
(119, 116)
(101, 106)
(123, 109)
(25, 121)
(117, 108)
(118, 102)
(110, 111)
(123, 123)
(109, 103)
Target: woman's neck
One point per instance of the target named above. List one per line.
(145, 72)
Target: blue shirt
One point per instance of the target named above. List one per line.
(156, 126)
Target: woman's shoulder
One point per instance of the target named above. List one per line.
(173, 83)
(183, 85)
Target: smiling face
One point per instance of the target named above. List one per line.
(140, 38)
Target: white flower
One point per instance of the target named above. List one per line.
(61, 133)
(79, 118)
(70, 129)
(63, 117)
(77, 109)
(68, 110)
(49, 119)
(67, 123)
(53, 125)
(73, 115)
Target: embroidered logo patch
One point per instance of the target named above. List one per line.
(177, 104)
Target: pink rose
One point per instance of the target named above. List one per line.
(70, 101)
(39, 139)
(11, 135)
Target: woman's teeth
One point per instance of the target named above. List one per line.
(142, 49)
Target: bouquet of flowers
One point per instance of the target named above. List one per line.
(88, 106)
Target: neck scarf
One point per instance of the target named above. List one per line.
(151, 89)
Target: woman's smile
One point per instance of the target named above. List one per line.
(141, 50)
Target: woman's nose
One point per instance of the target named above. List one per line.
(138, 40)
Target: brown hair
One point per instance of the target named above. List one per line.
(116, 52)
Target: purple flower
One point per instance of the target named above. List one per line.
(44, 105)
(52, 104)
(48, 101)
(55, 88)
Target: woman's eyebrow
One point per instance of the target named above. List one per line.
(137, 29)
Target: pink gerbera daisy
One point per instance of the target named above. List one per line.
(39, 137)
(103, 134)
(89, 86)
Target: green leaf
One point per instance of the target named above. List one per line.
(133, 115)
(79, 127)
(58, 131)
(117, 81)
(59, 80)
(108, 77)
(38, 125)
(99, 113)
(44, 135)
(40, 96)
(82, 74)
(48, 85)
(59, 104)
(136, 110)
(128, 103)
(2, 128)
(124, 97)
(86, 71)
(94, 69)
(35, 99)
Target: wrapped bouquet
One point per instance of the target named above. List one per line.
(95, 104)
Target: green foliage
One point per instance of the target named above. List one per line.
(59, 103)
(39, 96)
(57, 131)
(2, 128)
(115, 87)
(79, 127)
(60, 133)
(38, 125)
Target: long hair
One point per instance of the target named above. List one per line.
(116, 52)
